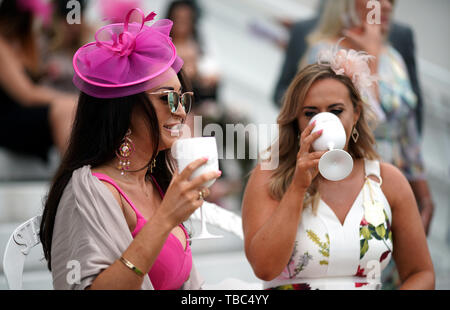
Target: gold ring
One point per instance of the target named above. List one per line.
(200, 195)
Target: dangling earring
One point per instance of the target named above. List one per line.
(152, 165)
(124, 153)
(355, 134)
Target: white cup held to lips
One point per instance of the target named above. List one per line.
(333, 135)
(188, 150)
(336, 164)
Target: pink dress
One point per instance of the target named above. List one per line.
(173, 264)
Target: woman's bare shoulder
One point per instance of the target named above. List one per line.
(260, 176)
(258, 188)
(395, 185)
(108, 185)
(391, 174)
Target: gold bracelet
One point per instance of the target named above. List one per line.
(131, 266)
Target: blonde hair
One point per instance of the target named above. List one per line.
(336, 16)
(289, 144)
(332, 21)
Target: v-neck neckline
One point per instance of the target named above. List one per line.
(327, 206)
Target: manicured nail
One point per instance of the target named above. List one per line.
(314, 123)
(205, 158)
(219, 173)
(320, 132)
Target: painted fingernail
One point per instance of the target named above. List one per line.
(314, 122)
(205, 158)
(320, 132)
(219, 173)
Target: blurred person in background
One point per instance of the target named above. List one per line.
(399, 35)
(34, 117)
(295, 49)
(64, 39)
(202, 70)
(185, 15)
(395, 102)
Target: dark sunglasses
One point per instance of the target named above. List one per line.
(174, 99)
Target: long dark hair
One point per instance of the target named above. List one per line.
(98, 130)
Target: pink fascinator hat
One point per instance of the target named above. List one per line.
(355, 65)
(127, 58)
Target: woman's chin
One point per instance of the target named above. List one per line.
(168, 139)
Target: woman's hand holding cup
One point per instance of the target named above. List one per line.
(307, 161)
(183, 194)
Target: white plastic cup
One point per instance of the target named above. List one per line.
(188, 150)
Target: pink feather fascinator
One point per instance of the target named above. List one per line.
(355, 65)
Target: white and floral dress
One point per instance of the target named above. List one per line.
(329, 255)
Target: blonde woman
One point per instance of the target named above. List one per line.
(305, 232)
(396, 101)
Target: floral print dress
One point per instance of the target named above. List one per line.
(329, 255)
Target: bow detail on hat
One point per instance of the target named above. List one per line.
(125, 43)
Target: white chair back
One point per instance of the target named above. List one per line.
(22, 240)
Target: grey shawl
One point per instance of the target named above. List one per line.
(90, 234)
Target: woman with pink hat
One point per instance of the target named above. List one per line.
(116, 206)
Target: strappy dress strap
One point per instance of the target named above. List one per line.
(372, 167)
(104, 177)
(161, 193)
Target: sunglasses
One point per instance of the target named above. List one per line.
(174, 99)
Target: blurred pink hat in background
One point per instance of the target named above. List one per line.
(115, 11)
(40, 8)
